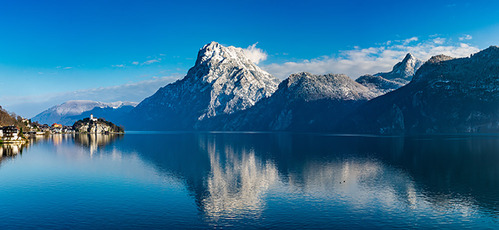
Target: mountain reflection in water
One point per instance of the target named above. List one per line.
(302, 180)
(237, 181)
(233, 176)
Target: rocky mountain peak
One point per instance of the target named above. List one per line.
(408, 56)
(401, 74)
(223, 80)
(216, 62)
(214, 54)
(403, 71)
(212, 50)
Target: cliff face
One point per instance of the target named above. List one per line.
(96, 126)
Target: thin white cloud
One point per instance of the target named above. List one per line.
(409, 40)
(256, 55)
(358, 61)
(119, 66)
(68, 67)
(465, 37)
(148, 62)
(135, 63)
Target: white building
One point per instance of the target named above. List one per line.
(10, 134)
(92, 118)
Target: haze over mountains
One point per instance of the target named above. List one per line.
(225, 90)
(69, 112)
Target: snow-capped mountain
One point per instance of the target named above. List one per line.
(69, 112)
(303, 101)
(446, 95)
(401, 74)
(403, 71)
(223, 80)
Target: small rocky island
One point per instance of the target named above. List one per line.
(94, 125)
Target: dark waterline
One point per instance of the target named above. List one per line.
(164, 180)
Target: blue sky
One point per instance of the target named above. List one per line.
(51, 51)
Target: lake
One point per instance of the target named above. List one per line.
(164, 180)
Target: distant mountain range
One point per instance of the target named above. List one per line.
(224, 90)
(69, 112)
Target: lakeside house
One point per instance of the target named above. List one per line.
(18, 134)
(11, 134)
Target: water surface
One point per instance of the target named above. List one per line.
(250, 180)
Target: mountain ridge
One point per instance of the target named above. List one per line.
(447, 95)
(302, 102)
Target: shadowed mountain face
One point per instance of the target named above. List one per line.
(303, 101)
(445, 95)
(222, 81)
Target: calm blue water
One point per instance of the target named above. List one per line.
(250, 180)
